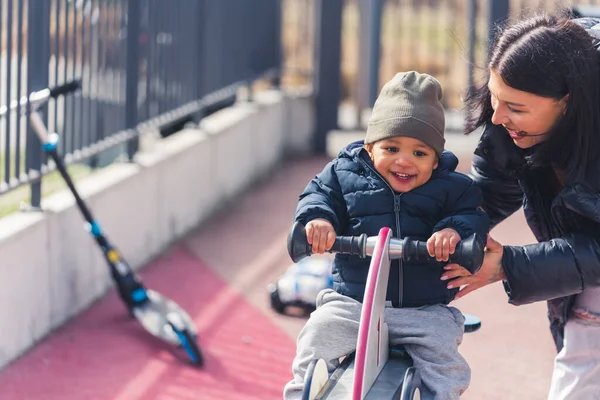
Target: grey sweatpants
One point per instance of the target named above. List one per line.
(430, 334)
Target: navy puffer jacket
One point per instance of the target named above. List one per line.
(356, 199)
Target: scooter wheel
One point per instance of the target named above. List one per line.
(189, 343)
(411, 386)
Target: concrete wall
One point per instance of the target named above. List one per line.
(50, 269)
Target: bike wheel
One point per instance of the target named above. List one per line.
(315, 378)
(411, 386)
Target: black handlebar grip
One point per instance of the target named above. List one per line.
(414, 251)
(298, 247)
(297, 244)
(356, 245)
(65, 88)
(468, 252)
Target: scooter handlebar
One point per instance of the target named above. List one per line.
(65, 88)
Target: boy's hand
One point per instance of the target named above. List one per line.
(320, 234)
(443, 243)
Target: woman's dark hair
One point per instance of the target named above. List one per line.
(551, 57)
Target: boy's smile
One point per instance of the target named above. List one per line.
(404, 162)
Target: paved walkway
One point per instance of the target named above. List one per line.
(219, 275)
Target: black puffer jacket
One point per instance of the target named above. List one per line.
(356, 199)
(567, 224)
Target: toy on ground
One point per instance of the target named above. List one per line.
(374, 370)
(159, 315)
(300, 284)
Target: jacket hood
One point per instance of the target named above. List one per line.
(447, 162)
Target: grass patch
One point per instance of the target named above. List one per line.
(51, 183)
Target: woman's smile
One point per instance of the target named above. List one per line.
(516, 135)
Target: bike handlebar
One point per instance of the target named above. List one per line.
(468, 253)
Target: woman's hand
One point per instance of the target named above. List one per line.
(491, 271)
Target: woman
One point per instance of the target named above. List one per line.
(540, 149)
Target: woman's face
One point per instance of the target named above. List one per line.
(527, 117)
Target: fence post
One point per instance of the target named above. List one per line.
(327, 77)
(132, 74)
(278, 43)
(369, 54)
(472, 24)
(498, 14)
(38, 62)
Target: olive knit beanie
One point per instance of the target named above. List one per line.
(409, 105)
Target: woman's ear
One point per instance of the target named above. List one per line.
(563, 104)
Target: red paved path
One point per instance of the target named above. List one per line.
(104, 355)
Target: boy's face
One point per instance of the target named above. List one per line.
(404, 162)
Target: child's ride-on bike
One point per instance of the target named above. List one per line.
(374, 370)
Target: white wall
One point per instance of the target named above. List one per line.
(51, 269)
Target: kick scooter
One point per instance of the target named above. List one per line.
(159, 315)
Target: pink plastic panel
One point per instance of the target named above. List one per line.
(372, 343)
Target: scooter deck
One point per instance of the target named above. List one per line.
(387, 386)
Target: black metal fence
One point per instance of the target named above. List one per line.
(446, 38)
(142, 63)
(157, 63)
